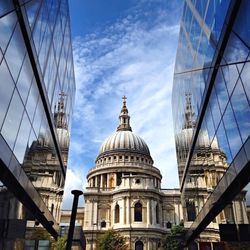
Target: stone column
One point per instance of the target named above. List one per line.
(101, 181)
(127, 210)
(148, 212)
(124, 210)
(108, 181)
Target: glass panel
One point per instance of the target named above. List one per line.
(32, 100)
(243, 21)
(215, 108)
(245, 76)
(242, 110)
(15, 53)
(32, 9)
(40, 27)
(22, 138)
(232, 130)
(5, 6)
(230, 75)
(12, 120)
(223, 142)
(7, 84)
(235, 51)
(7, 25)
(201, 7)
(38, 117)
(210, 124)
(221, 91)
(24, 79)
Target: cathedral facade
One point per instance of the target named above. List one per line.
(124, 192)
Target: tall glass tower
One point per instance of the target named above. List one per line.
(37, 88)
(211, 109)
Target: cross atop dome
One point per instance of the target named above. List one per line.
(124, 99)
(124, 117)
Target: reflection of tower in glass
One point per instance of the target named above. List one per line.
(43, 167)
(208, 165)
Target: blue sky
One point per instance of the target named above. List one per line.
(122, 47)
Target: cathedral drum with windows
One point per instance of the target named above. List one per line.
(124, 192)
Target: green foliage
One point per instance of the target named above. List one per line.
(172, 241)
(112, 240)
(60, 244)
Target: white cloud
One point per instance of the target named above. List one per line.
(135, 57)
(74, 181)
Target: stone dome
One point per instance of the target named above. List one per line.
(124, 140)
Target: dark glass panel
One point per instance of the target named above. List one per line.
(7, 25)
(22, 138)
(242, 24)
(232, 131)
(235, 51)
(15, 53)
(241, 110)
(7, 84)
(24, 79)
(245, 77)
(12, 120)
(231, 75)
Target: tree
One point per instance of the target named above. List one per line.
(60, 244)
(172, 241)
(112, 240)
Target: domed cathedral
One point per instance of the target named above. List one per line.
(124, 192)
(208, 165)
(42, 165)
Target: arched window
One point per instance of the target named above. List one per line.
(117, 213)
(191, 213)
(157, 214)
(138, 245)
(138, 211)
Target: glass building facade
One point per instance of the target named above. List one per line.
(37, 88)
(211, 107)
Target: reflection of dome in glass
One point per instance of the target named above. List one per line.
(63, 136)
(184, 139)
(124, 140)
